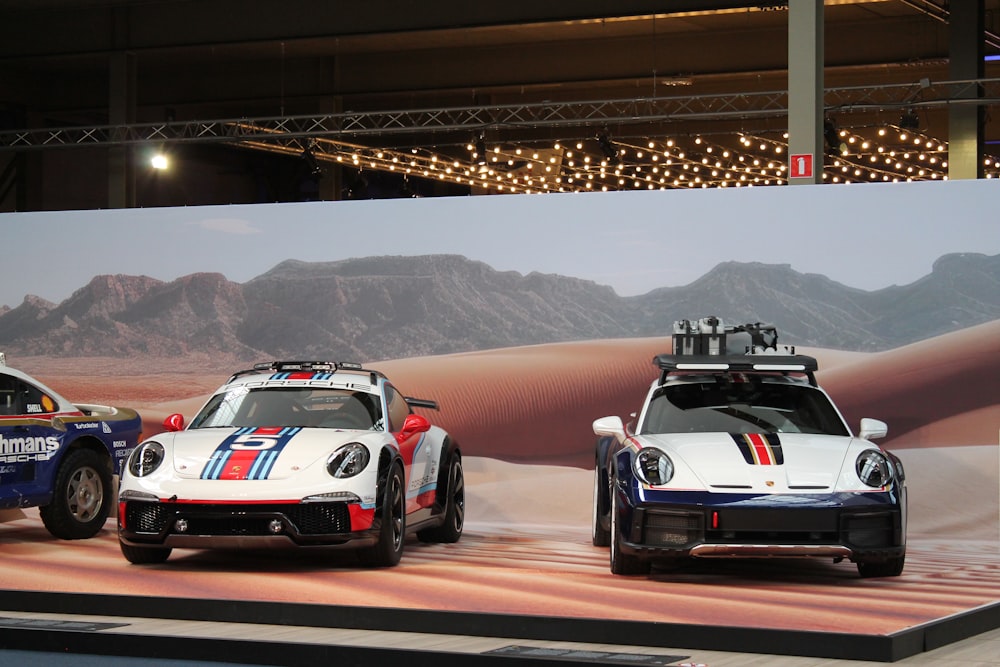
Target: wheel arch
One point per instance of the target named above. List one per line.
(90, 442)
(449, 450)
(386, 458)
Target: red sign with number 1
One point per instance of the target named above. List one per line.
(800, 166)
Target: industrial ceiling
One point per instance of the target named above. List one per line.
(267, 101)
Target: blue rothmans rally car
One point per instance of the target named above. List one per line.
(58, 456)
(737, 452)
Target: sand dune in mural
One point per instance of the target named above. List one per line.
(536, 404)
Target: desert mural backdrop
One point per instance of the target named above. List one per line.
(526, 318)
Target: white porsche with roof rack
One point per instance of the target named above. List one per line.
(737, 452)
(295, 453)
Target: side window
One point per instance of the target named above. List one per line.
(35, 401)
(20, 398)
(398, 408)
(8, 395)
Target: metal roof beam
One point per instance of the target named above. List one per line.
(634, 112)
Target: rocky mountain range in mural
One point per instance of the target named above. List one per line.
(394, 307)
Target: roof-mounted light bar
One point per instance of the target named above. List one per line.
(740, 363)
(795, 363)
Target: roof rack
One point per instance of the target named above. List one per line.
(308, 366)
(708, 344)
(710, 335)
(737, 363)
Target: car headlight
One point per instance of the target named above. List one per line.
(873, 468)
(145, 458)
(653, 466)
(348, 461)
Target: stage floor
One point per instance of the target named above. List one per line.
(530, 584)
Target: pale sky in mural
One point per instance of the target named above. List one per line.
(864, 236)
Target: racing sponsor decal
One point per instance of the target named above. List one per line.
(28, 448)
(249, 453)
(46, 405)
(761, 449)
(301, 375)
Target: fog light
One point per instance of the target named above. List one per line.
(181, 525)
(274, 526)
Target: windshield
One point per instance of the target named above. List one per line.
(292, 406)
(751, 405)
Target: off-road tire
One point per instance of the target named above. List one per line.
(81, 496)
(622, 563)
(145, 555)
(453, 521)
(388, 550)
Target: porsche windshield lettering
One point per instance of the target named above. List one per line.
(308, 383)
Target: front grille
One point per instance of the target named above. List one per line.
(320, 518)
(239, 520)
(771, 526)
(147, 517)
(670, 529)
(871, 531)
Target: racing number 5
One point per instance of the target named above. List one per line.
(254, 441)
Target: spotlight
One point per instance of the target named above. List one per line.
(909, 121)
(311, 162)
(608, 148)
(481, 149)
(834, 144)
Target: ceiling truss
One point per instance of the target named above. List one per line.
(348, 126)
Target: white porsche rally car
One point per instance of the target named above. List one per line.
(739, 453)
(294, 454)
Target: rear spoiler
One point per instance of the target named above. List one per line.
(421, 403)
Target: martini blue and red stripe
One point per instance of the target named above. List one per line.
(249, 453)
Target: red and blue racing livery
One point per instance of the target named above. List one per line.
(295, 453)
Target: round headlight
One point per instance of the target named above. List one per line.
(348, 461)
(145, 458)
(873, 468)
(653, 466)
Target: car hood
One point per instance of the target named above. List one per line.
(782, 462)
(252, 453)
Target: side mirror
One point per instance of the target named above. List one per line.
(174, 422)
(412, 425)
(872, 429)
(611, 426)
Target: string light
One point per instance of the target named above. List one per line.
(746, 159)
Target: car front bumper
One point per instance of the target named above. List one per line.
(838, 526)
(251, 525)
